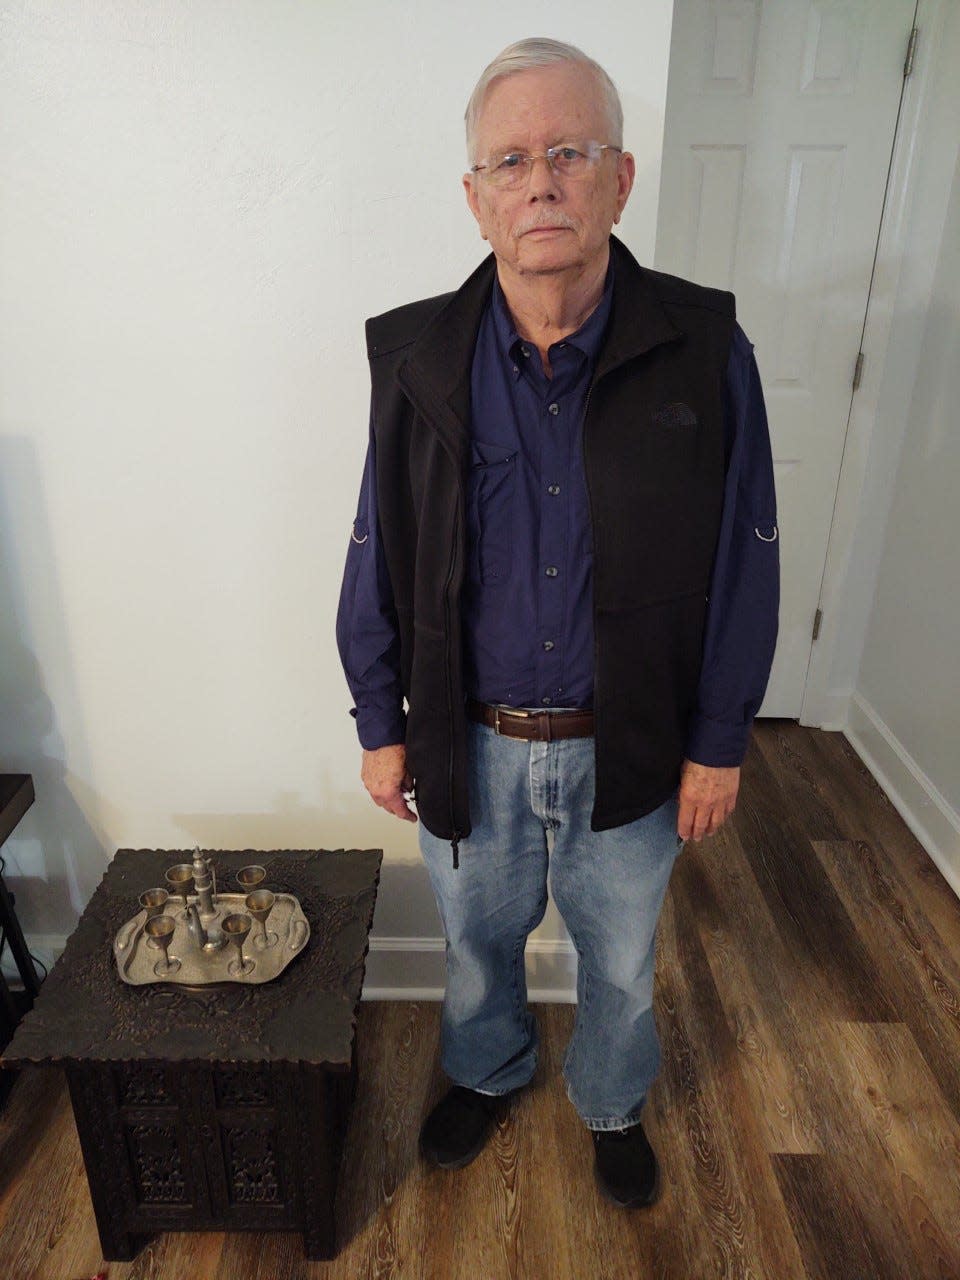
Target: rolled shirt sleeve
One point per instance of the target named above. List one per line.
(741, 624)
(367, 634)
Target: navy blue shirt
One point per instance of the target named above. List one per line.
(527, 600)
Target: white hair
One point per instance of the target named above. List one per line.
(541, 52)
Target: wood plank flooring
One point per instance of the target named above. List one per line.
(807, 1114)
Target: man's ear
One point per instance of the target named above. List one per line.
(473, 200)
(626, 172)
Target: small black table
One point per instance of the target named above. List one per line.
(16, 797)
(220, 1108)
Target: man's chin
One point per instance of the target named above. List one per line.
(546, 255)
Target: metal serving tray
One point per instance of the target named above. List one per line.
(137, 960)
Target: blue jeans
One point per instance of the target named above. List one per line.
(608, 886)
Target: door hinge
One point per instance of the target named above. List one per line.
(911, 50)
(817, 619)
(858, 370)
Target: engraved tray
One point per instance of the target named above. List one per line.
(200, 967)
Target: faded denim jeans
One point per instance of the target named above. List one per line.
(609, 887)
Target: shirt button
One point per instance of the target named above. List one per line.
(553, 490)
(525, 351)
(548, 645)
(551, 571)
(553, 408)
(546, 701)
(516, 368)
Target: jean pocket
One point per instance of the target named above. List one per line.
(493, 484)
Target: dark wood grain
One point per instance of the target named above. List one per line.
(832, 1234)
(807, 913)
(860, 811)
(920, 974)
(761, 990)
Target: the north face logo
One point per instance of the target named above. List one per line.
(675, 414)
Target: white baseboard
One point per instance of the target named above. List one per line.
(925, 810)
(826, 710)
(401, 968)
(413, 969)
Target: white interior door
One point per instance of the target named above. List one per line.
(780, 121)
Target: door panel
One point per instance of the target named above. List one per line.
(780, 122)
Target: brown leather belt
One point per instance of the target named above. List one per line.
(532, 726)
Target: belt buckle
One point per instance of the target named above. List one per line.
(513, 711)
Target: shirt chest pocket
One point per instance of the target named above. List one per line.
(492, 493)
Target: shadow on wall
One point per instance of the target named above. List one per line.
(55, 857)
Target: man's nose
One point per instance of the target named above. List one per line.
(542, 183)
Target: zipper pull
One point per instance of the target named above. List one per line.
(455, 846)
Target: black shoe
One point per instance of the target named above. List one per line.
(457, 1128)
(626, 1166)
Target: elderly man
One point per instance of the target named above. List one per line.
(565, 562)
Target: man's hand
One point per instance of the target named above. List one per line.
(707, 798)
(384, 774)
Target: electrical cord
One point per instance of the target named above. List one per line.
(3, 932)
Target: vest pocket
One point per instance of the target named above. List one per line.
(493, 485)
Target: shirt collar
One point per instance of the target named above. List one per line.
(586, 339)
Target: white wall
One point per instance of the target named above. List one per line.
(201, 201)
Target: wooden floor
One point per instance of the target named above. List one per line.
(807, 1115)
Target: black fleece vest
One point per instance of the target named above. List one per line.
(653, 442)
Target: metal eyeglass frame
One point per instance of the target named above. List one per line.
(591, 151)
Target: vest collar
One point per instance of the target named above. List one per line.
(436, 373)
(638, 320)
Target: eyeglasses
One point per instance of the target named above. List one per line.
(566, 159)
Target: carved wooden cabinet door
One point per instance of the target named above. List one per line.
(152, 1124)
(201, 1144)
(249, 1142)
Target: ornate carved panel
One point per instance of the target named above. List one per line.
(142, 1086)
(253, 1171)
(242, 1087)
(155, 1160)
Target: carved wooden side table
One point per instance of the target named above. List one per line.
(219, 1108)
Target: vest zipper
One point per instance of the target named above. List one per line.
(422, 398)
(593, 593)
(455, 841)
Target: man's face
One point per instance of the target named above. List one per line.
(549, 224)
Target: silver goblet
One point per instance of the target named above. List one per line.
(180, 878)
(260, 904)
(236, 926)
(249, 877)
(161, 928)
(153, 901)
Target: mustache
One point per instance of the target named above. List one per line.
(549, 218)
